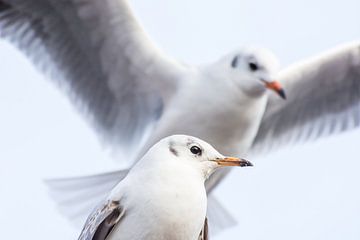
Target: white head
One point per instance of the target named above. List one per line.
(253, 70)
(194, 152)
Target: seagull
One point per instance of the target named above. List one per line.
(163, 196)
(133, 94)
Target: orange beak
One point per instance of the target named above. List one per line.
(231, 162)
(276, 87)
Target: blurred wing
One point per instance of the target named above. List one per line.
(204, 234)
(101, 57)
(101, 221)
(218, 217)
(75, 197)
(323, 98)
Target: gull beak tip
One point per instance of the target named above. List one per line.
(276, 87)
(246, 163)
(281, 93)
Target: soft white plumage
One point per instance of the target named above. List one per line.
(163, 196)
(126, 86)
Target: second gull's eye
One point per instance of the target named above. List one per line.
(253, 66)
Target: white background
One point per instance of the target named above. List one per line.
(307, 192)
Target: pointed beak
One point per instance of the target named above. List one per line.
(276, 87)
(232, 162)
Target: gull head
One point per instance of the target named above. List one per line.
(253, 70)
(191, 151)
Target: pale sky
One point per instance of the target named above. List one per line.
(307, 192)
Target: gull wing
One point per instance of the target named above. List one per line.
(323, 99)
(75, 197)
(100, 56)
(101, 222)
(204, 234)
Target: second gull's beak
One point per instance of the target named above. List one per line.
(231, 161)
(276, 86)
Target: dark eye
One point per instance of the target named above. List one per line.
(253, 66)
(195, 150)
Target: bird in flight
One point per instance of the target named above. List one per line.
(134, 95)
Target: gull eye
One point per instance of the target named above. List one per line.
(253, 66)
(196, 150)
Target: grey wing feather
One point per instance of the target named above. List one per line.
(323, 99)
(218, 217)
(204, 234)
(75, 197)
(102, 220)
(101, 57)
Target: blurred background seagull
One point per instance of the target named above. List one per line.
(163, 196)
(134, 95)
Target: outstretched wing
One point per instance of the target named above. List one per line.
(323, 98)
(101, 57)
(101, 222)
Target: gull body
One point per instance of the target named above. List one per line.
(160, 205)
(134, 95)
(163, 196)
(204, 106)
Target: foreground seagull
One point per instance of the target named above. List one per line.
(163, 196)
(132, 93)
